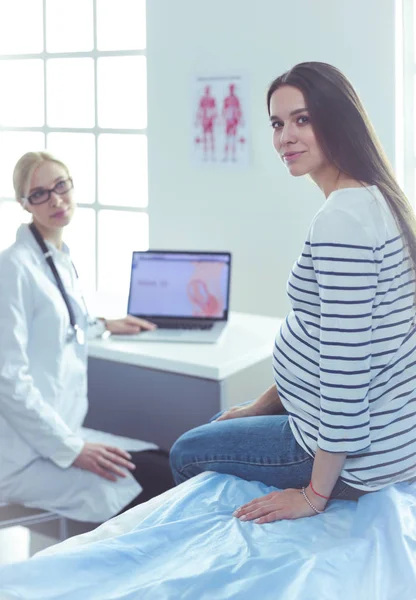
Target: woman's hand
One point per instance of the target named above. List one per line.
(128, 325)
(104, 460)
(236, 412)
(268, 403)
(287, 504)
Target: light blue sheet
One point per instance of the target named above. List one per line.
(192, 549)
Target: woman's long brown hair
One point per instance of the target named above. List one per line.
(347, 137)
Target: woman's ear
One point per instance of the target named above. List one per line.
(24, 203)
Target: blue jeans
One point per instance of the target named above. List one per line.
(253, 448)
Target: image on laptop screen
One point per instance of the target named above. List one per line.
(180, 284)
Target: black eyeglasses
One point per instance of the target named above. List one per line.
(41, 196)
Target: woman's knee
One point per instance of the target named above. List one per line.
(175, 454)
(178, 453)
(187, 450)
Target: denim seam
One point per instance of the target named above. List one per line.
(244, 462)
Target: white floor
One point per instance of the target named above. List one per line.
(14, 545)
(18, 543)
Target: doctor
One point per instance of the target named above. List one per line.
(45, 460)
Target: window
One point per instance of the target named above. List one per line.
(73, 76)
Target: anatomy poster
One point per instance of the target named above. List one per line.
(220, 121)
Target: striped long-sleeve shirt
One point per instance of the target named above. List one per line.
(344, 360)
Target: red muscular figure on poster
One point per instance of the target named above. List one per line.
(232, 115)
(206, 115)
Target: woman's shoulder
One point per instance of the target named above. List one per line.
(354, 215)
(19, 257)
(354, 200)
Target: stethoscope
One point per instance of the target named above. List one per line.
(74, 330)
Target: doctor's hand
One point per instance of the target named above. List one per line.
(128, 325)
(276, 506)
(104, 460)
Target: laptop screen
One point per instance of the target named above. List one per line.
(180, 284)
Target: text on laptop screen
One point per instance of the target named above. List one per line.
(179, 285)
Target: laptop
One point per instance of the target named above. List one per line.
(186, 294)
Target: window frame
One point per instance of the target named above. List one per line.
(96, 130)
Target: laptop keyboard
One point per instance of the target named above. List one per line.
(194, 326)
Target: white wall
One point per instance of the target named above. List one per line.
(261, 214)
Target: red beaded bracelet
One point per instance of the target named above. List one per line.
(317, 494)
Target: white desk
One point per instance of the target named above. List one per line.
(156, 391)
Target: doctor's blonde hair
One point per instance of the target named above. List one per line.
(26, 166)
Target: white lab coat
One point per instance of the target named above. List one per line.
(43, 391)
